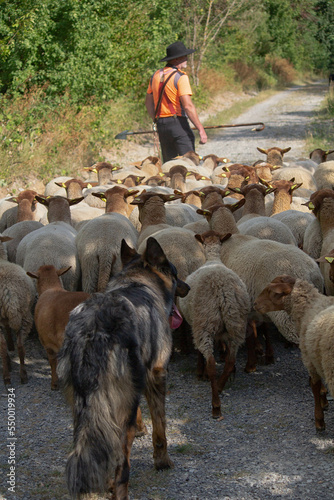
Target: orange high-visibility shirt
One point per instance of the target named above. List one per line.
(178, 85)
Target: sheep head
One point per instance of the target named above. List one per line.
(272, 296)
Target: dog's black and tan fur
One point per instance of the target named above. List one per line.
(117, 346)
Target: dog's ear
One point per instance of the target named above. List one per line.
(127, 253)
(154, 254)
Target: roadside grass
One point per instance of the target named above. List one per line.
(321, 130)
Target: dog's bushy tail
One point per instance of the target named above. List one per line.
(100, 382)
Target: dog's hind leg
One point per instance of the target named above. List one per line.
(122, 473)
(141, 429)
(155, 395)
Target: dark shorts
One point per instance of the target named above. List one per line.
(175, 136)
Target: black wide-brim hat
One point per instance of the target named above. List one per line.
(176, 50)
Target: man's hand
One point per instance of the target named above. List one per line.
(190, 109)
(203, 137)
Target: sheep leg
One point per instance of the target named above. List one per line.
(141, 429)
(201, 369)
(122, 473)
(229, 369)
(5, 359)
(52, 356)
(155, 395)
(21, 352)
(10, 341)
(269, 356)
(251, 347)
(323, 395)
(211, 370)
(184, 336)
(318, 411)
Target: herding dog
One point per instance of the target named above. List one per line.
(117, 346)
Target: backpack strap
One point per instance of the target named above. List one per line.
(162, 86)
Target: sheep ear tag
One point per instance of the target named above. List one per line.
(175, 318)
(329, 259)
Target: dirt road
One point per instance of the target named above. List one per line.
(286, 115)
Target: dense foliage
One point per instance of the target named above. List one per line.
(103, 49)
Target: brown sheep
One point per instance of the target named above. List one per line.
(52, 312)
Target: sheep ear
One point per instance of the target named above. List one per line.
(203, 212)
(3, 239)
(309, 205)
(237, 205)
(265, 183)
(281, 289)
(269, 190)
(199, 238)
(63, 270)
(225, 237)
(42, 200)
(275, 167)
(264, 151)
(32, 275)
(102, 196)
(285, 150)
(131, 192)
(296, 186)
(325, 258)
(75, 201)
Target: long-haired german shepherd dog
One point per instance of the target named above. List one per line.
(117, 346)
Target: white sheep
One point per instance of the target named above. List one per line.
(216, 307)
(324, 175)
(313, 316)
(283, 192)
(257, 262)
(319, 155)
(322, 205)
(53, 244)
(17, 232)
(152, 212)
(52, 312)
(297, 222)
(178, 243)
(27, 208)
(265, 170)
(274, 155)
(267, 228)
(300, 175)
(98, 244)
(254, 195)
(16, 301)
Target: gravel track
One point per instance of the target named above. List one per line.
(265, 447)
(286, 116)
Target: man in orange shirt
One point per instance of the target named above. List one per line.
(171, 112)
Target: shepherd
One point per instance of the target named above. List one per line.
(169, 104)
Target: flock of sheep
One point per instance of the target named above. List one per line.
(254, 242)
